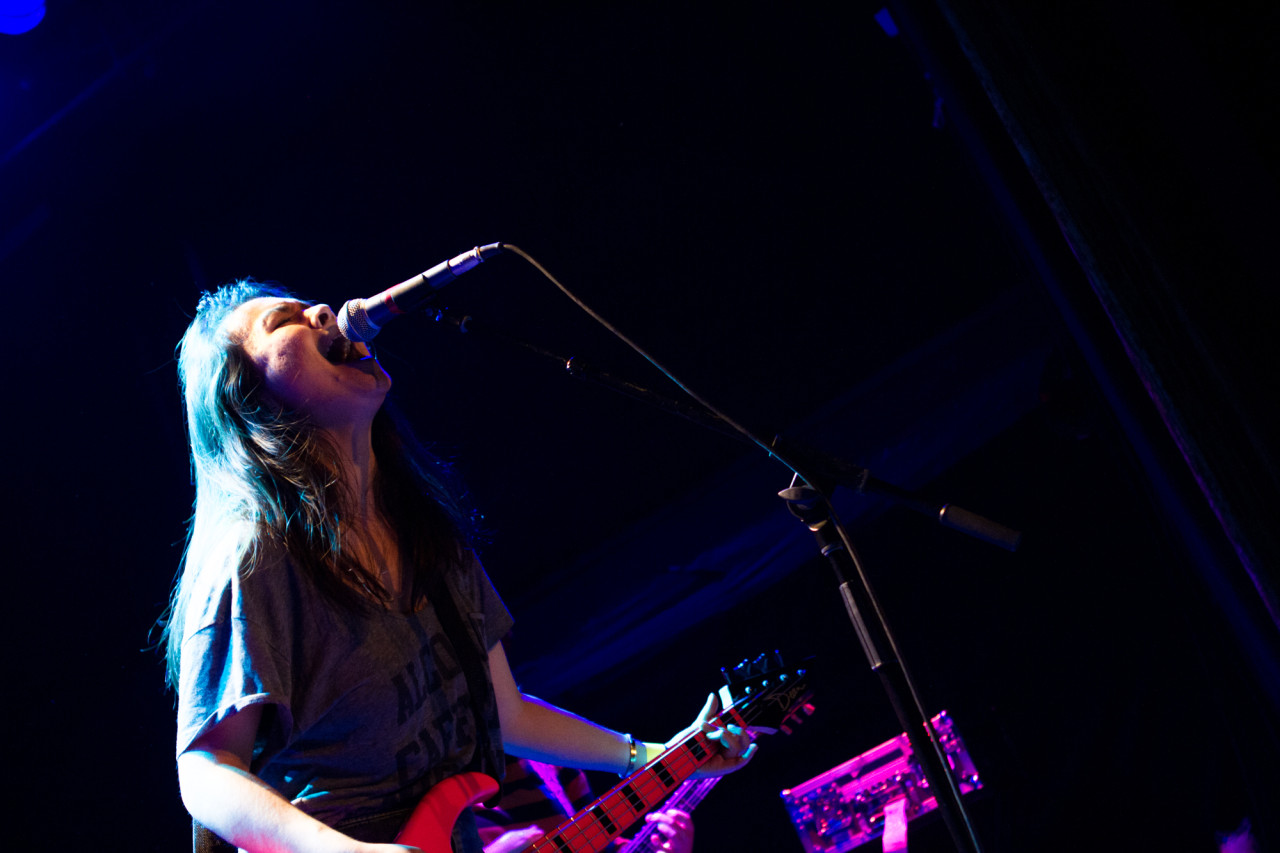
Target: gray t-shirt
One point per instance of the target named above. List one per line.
(363, 713)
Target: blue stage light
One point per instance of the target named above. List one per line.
(20, 16)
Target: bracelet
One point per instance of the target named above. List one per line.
(631, 761)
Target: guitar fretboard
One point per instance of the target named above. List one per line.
(608, 817)
(686, 798)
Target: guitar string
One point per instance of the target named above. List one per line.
(651, 788)
(641, 844)
(686, 798)
(678, 762)
(590, 828)
(584, 828)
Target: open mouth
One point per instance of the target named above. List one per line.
(342, 351)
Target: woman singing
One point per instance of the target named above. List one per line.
(333, 641)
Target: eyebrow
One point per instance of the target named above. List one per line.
(278, 308)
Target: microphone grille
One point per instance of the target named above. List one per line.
(354, 322)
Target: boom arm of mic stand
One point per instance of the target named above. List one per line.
(810, 504)
(830, 470)
(818, 468)
(578, 369)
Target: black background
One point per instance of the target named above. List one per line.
(767, 199)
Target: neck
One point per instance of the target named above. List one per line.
(371, 537)
(357, 468)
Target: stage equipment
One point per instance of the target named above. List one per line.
(815, 476)
(874, 795)
(360, 319)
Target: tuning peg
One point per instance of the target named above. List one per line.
(753, 668)
(737, 674)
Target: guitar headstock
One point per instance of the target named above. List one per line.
(770, 695)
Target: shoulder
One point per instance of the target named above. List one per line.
(235, 574)
(479, 601)
(469, 582)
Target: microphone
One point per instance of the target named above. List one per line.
(360, 319)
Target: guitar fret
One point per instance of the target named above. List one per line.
(689, 756)
(686, 797)
(592, 830)
(600, 814)
(622, 814)
(636, 801)
(587, 833)
(650, 787)
(574, 837)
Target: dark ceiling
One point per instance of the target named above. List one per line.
(760, 199)
(769, 199)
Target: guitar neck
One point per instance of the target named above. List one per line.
(769, 698)
(594, 828)
(686, 798)
(689, 794)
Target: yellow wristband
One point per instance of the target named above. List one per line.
(631, 761)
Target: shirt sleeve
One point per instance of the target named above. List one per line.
(485, 609)
(232, 655)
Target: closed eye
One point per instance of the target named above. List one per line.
(282, 314)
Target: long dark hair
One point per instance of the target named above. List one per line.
(265, 475)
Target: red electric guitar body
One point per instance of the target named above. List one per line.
(431, 824)
(768, 701)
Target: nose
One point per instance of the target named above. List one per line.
(320, 315)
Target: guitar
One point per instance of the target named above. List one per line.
(686, 798)
(769, 701)
(694, 791)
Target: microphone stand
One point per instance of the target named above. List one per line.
(816, 475)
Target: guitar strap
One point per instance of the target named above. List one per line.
(474, 659)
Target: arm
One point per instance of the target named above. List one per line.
(535, 729)
(221, 793)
